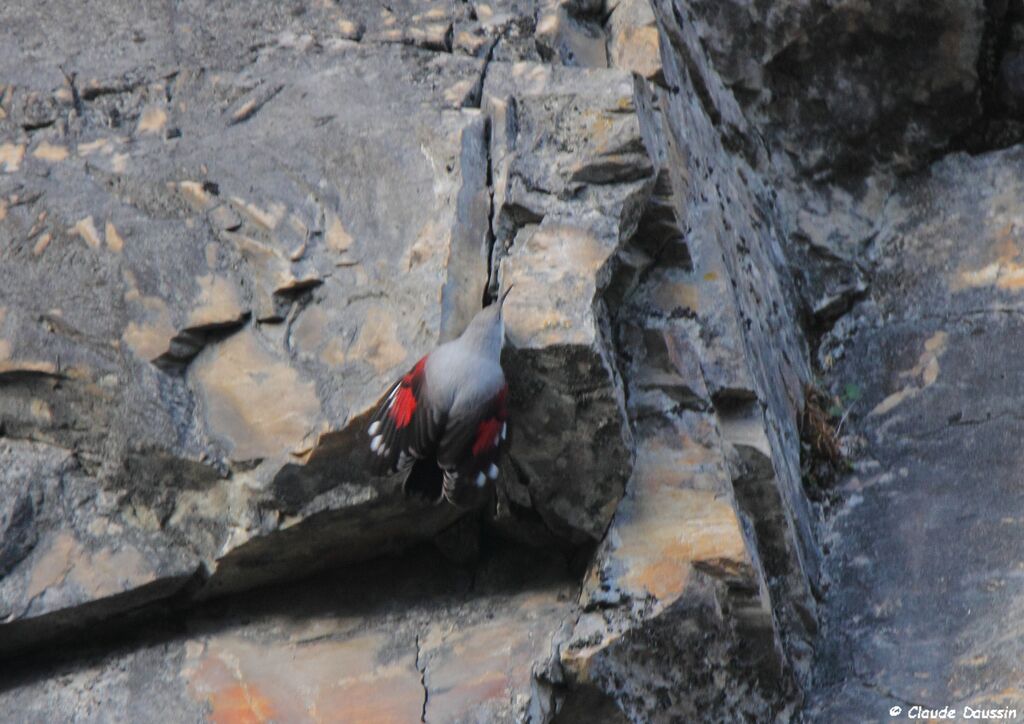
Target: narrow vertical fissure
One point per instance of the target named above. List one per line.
(421, 666)
(491, 288)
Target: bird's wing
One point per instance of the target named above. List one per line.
(470, 447)
(403, 429)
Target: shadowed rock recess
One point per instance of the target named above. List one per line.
(226, 228)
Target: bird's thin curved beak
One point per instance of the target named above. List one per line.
(505, 294)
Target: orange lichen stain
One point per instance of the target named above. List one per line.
(329, 680)
(333, 354)
(240, 704)
(217, 303)
(554, 275)
(101, 145)
(41, 412)
(369, 701)
(578, 658)
(119, 163)
(675, 459)
(427, 246)
(11, 156)
(273, 268)
(244, 111)
(194, 193)
(893, 400)
(1012, 276)
(41, 243)
(482, 663)
(151, 336)
(153, 120)
(711, 276)
(107, 572)
(670, 294)
(9, 365)
(638, 50)
(922, 375)
(338, 239)
(114, 240)
(1011, 693)
(936, 343)
(46, 151)
(663, 538)
(310, 330)
(348, 29)
(378, 342)
(268, 220)
(217, 678)
(98, 573)
(457, 94)
(254, 399)
(86, 229)
(1006, 272)
(53, 566)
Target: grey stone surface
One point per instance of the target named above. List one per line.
(219, 316)
(842, 86)
(366, 643)
(922, 576)
(225, 241)
(225, 229)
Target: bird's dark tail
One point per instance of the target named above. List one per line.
(425, 480)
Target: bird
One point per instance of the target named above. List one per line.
(449, 413)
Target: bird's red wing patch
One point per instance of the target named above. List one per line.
(402, 429)
(488, 435)
(489, 432)
(470, 459)
(404, 403)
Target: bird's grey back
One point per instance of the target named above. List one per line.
(459, 378)
(466, 372)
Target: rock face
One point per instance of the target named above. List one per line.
(571, 179)
(937, 425)
(844, 85)
(225, 231)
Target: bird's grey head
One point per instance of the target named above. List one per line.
(487, 330)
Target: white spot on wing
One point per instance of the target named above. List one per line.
(376, 443)
(504, 430)
(374, 428)
(480, 480)
(493, 472)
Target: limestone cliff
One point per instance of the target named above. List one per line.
(225, 229)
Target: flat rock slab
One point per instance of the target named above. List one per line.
(926, 546)
(394, 641)
(200, 308)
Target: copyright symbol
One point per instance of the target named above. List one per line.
(895, 711)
